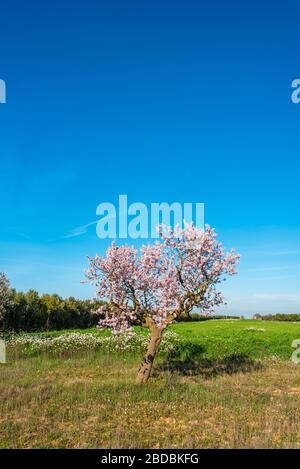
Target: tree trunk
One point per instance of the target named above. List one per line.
(146, 365)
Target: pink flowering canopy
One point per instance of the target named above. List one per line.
(162, 281)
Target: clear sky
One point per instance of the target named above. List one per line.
(185, 101)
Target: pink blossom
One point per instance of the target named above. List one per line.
(162, 281)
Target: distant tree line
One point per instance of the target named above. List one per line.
(30, 311)
(278, 317)
(200, 317)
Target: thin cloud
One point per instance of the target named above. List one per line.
(294, 252)
(278, 296)
(80, 230)
(271, 269)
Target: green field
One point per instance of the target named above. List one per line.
(227, 383)
(254, 339)
(222, 338)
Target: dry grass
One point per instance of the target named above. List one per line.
(92, 402)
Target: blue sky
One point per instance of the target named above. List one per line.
(163, 101)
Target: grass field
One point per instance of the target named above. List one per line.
(228, 384)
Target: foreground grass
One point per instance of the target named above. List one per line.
(212, 394)
(92, 402)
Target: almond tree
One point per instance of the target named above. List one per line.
(162, 282)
